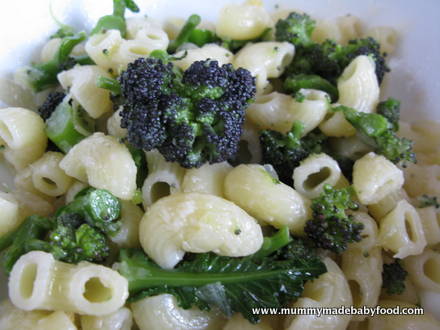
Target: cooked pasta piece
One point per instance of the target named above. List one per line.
(22, 135)
(350, 147)
(341, 30)
(56, 321)
(128, 236)
(208, 51)
(104, 163)
(386, 36)
(270, 201)
(114, 125)
(193, 222)
(375, 177)
(49, 49)
(13, 318)
(48, 177)
(422, 179)
(243, 21)
(122, 319)
(424, 270)
(369, 232)
(278, 111)
(103, 48)
(9, 215)
(363, 271)
(81, 82)
(31, 204)
(249, 147)
(149, 32)
(85, 288)
(401, 231)
(316, 171)
(74, 189)
(431, 224)
(163, 313)
(164, 178)
(335, 125)
(207, 179)
(331, 289)
(265, 60)
(238, 322)
(385, 205)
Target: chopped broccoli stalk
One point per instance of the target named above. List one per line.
(110, 84)
(235, 45)
(116, 21)
(427, 201)
(202, 37)
(294, 83)
(44, 75)
(273, 243)
(377, 131)
(285, 151)
(296, 29)
(393, 277)
(98, 207)
(63, 31)
(330, 227)
(192, 117)
(68, 125)
(141, 163)
(185, 33)
(390, 109)
(50, 104)
(230, 284)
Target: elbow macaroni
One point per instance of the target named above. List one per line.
(208, 51)
(120, 320)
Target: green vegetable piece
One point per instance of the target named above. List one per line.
(68, 125)
(294, 83)
(44, 75)
(185, 33)
(273, 243)
(110, 84)
(296, 29)
(98, 207)
(394, 276)
(390, 109)
(202, 37)
(427, 201)
(141, 163)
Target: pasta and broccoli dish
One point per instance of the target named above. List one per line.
(191, 175)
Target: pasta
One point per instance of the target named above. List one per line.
(424, 270)
(200, 223)
(162, 313)
(387, 204)
(104, 163)
(114, 125)
(374, 177)
(208, 51)
(127, 236)
(422, 179)
(122, 319)
(164, 178)
(430, 219)
(341, 30)
(84, 288)
(316, 171)
(9, 216)
(268, 200)
(369, 233)
(238, 322)
(386, 36)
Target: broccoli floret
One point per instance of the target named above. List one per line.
(390, 109)
(427, 201)
(393, 277)
(50, 104)
(331, 228)
(192, 117)
(377, 131)
(296, 29)
(285, 151)
(292, 84)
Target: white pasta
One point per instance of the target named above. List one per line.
(430, 219)
(385, 205)
(374, 177)
(84, 288)
(249, 148)
(128, 236)
(193, 222)
(265, 60)
(163, 313)
(350, 147)
(278, 111)
(316, 171)
(9, 215)
(206, 179)
(56, 321)
(386, 36)
(22, 134)
(48, 177)
(103, 163)
(114, 125)
(328, 290)
(82, 83)
(164, 178)
(74, 189)
(422, 179)
(148, 32)
(49, 49)
(369, 232)
(341, 30)
(243, 21)
(336, 125)
(238, 322)
(267, 199)
(363, 271)
(122, 319)
(103, 48)
(424, 270)
(208, 51)
(31, 204)
(401, 231)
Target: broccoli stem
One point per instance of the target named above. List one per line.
(185, 33)
(296, 82)
(274, 243)
(67, 126)
(110, 84)
(201, 37)
(44, 75)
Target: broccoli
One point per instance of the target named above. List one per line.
(377, 131)
(296, 29)
(285, 151)
(393, 277)
(390, 109)
(50, 104)
(294, 83)
(192, 117)
(235, 45)
(116, 21)
(330, 227)
(427, 201)
(44, 75)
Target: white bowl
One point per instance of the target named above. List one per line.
(414, 79)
